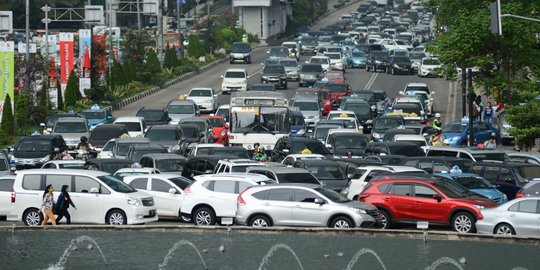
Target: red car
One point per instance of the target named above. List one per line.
(219, 128)
(335, 76)
(337, 92)
(407, 199)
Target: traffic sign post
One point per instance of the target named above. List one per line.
(6, 21)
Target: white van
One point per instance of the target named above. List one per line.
(100, 198)
(135, 125)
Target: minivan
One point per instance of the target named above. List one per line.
(100, 198)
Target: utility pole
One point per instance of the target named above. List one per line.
(471, 94)
(46, 21)
(139, 25)
(160, 31)
(27, 53)
(464, 91)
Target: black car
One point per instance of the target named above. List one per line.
(508, 177)
(240, 51)
(309, 74)
(383, 123)
(34, 151)
(202, 164)
(377, 60)
(294, 145)
(109, 165)
(101, 134)
(342, 142)
(394, 148)
(236, 152)
(391, 133)
(363, 113)
(327, 172)
(274, 74)
(154, 116)
(400, 65)
(434, 164)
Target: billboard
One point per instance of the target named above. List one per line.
(66, 56)
(85, 52)
(7, 73)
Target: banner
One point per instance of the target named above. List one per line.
(85, 51)
(53, 78)
(99, 59)
(21, 47)
(52, 44)
(7, 73)
(66, 56)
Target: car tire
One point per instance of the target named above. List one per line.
(249, 60)
(285, 86)
(116, 217)
(341, 222)
(367, 68)
(260, 221)
(504, 229)
(393, 71)
(386, 220)
(463, 222)
(204, 216)
(231, 62)
(32, 217)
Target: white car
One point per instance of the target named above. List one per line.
(224, 110)
(393, 44)
(290, 159)
(417, 139)
(205, 98)
(99, 197)
(195, 149)
(364, 174)
(324, 61)
(6, 189)
(64, 164)
(212, 197)
(430, 66)
(234, 79)
(134, 171)
(167, 190)
(336, 61)
(135, 125)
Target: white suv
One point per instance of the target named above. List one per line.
(205, 98)
(234, 79)
(213, 196)
(100, 198)
(135, 125)
(236, 165)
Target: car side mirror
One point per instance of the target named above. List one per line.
(172, 190)
(437, 197)
(286, 151)
(208, 172)
(56, 149)
(221, 76)
(318, 201)
(94, 190)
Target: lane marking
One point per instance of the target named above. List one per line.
(371, 80)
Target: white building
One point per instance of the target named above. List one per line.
(264, 18)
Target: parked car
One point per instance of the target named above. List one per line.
(33, 151)
(531, 189)
(434, 200)
(516, 217)
(473, 153)
(6, 191)
(476, 184)
(100, 197)
(301, 205)
(435, 164)
(212, 198)
(532, 158)
(326, 171)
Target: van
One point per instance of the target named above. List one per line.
(136, 126)
(100, 198)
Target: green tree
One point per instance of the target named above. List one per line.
(117, 75)
(152, 64)
(170, 57)
(42, 109)
(60, 96)
(72, 90)
(525, 121)
(8, 124)
(134, 45)
(21, 110)
(195, 48)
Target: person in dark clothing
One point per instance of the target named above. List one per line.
(63, 202)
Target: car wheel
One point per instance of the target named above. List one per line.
(367, 68)
(249, 60)
(31, 217)
(285, 86)
(116, 217)
(393, 71)
(260, 221)
(504, 229)
(386, 220)
(204, 216)
(231, 62)
(342, 222)
(463, 222)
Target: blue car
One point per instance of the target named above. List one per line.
(476, 184)
(97, 116)
(457, 132)
(358, 59)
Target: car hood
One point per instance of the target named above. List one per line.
(431, 66)
(491, 193)
(30, 154)
(477, 201)
(94, 122)
(199, 98)
(234, 80)
(310, 114)
(180, 116)
(273, 74)
(360, 205)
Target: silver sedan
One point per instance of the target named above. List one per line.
(519, 216)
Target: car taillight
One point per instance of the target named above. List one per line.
(13, 195)
(361, 197)
(520, 195)
(187, 190)
(240, 200)
(480, 217)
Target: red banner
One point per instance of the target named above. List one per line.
(66, 56)
(99, 59)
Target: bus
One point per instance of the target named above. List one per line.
(258, 117)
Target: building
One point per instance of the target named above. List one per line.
(264, 18)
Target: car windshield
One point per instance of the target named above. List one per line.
(260, 120)
(302, 178)
(181, 109)
(116, 184)
(431, 61)
(312, 68)
(322, 132)
(155, 134)
(94, 114)
(288, 63)
(180, 182)
(334, 75)
(223, 112)
(200, 124)
(358, 109)
(369, 97)
(240, 48)
(407, 108)
(200, 93)
(407, 150)
(527, 172)
(105, 133)
(449, 190)
(318, 60)
(309, 42)
(315, 146)
(216, 122)
(151, 115)
(289, 45)
(380, 55)
(235, 74)
(333, 55)
(400, 59)
(230, 152)
(34, 144)
(112, 167)
(137, 153)
(131, 126)
(122, 148)
(490, 156)
(326, 173)
(190, 132)
(306, 105)
(387, 123)
(350, 142)
(473, 182)
(332, 195)
(358, 54)
(279, 52)
(454, 128)
(71, 165)
(70, 127)
(273, 69)
(170, 165)
(337, 88)
(416, 55)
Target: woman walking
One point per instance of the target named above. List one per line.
(64, 200)
(47, 205)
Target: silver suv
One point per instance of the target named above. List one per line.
(71, 129)
(301, 205)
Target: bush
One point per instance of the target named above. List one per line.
(195, 48)
(72, 90)
(8, 123)
(21, 109)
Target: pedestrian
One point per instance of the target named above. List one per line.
(492, 142)
(255, 150)
(480, 104)
(349, 154)
(437, 139)
(66, 156)
(261, 155)
(476, 110)
(47, 205)
(62, 204)
(437, 121)
(487, 114)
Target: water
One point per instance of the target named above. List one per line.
(217, 250)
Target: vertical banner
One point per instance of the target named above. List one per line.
(52, 44)
(53, 78)
(85, 52)
(66, 57)
(99, 58)
(7, 73)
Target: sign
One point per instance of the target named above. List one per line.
(7, 73)
(84, 83)
(51, 40)
(85, 50)
(99, 59)
(21, 47)
(66, 56)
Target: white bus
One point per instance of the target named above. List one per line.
(258, 117)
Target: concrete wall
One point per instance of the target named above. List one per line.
(264, 21)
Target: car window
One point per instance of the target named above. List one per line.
(261, 195)
(491, 173)
(160, 185)
(506, 176)
(139, 183)
(384, 188)
(476, 169)
(83, 184)
(279, 194)
(402, 189)
(423, 191)
(57, 181)
(527, 206)
(6, 184)
(225, 186)
(304, 196)
(32, 182)
(243, 185)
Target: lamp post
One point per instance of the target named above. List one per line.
(46, 21)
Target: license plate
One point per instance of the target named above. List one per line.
(226, 221)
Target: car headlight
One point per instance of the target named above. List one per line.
(456, 138)
(377, 62)
(265, 77)
(505, 197)
(369, 121)
(396, 66)
(358, 210)
(377, 135)
(133, 201)
(45, 158)
(479, 206)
